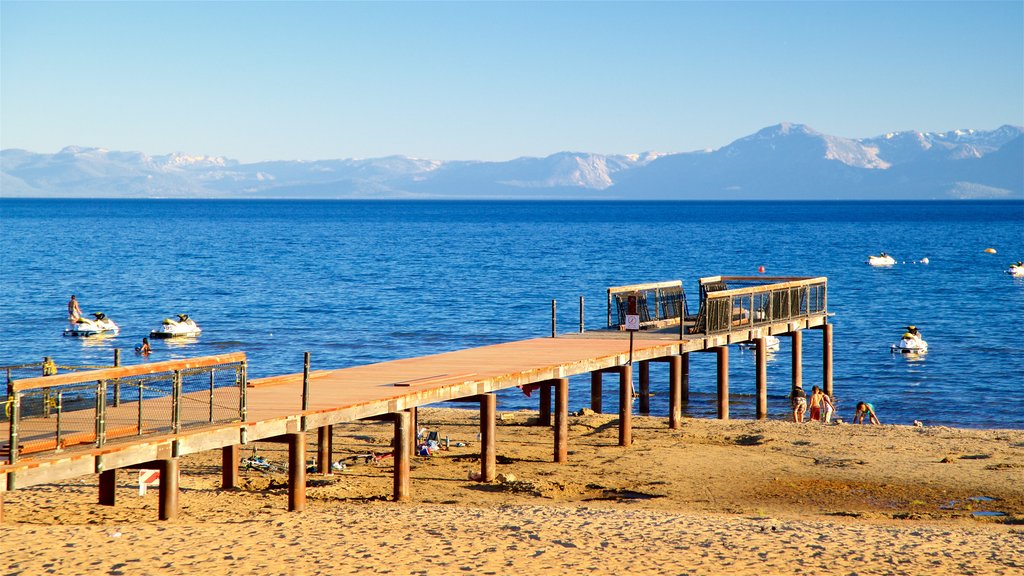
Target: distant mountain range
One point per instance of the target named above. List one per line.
(782, 162)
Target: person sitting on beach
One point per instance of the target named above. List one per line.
(144, 348)
(74, 312)
(798, 400)
(829, 408)
(816, 404)
(864, 409)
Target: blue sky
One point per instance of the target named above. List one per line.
(492, 80)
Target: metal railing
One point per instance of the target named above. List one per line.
(658, 303)
(88, 409)
(738, 302)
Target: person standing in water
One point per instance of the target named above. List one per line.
(74, 312)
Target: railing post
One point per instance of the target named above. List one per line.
(305, 388)
(553, 308)
(138, 423)
(176, 401)
(213, 380)
(241, 380)
(60, 413)
(581, 314)
(101, 412)
(117, 382)
(15, 399)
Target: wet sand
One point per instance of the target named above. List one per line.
(737, 497)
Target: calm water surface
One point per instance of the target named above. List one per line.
(362, 282)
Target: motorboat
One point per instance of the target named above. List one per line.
(182, 327)
(910, 344)
(98, 324)
(882, 259)
(772, 343)
(1016, 270)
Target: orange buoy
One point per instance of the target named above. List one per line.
(760, 269)
(990, 250)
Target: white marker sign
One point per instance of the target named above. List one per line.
(632, 321)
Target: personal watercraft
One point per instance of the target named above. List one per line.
(1016, 270)
(772, 343)
(882, 259)
(910, 344)
(183, 326)
(98, 324)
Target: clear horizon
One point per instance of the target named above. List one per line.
(495, 81)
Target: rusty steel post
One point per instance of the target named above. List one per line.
(685, 380)
(626, 405)
(675, 391)
(826, 358)
(488, 429)
(168, 489)
(229, 467)
(595, 391)
(402, 455)
(761, 377)
(561, 420)
(545, 404)
(108, 487)
(723, 382)
(645, 387)
(797, 358)
(296, 471)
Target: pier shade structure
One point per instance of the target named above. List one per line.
(147, 416)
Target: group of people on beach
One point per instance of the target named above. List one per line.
(822, 407)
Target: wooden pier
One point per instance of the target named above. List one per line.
(153, 432)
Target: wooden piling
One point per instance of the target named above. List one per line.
(561, 387)
(797, 358)
(323, 449)
(488, 430)
(826, 358)
(402, 455)
(229, 466)
(675, 391)
(108, 487)
(723, 382)
(595, 391)
(685, 373)
(626, 405)
(645, 387)
(545, 404)
(168, 490)
(296, 471)
(761, 377)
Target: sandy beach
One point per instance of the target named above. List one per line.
(737, 497)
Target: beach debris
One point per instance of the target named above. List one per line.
(338, 466)
(116, 533)
(505, 478)
(918, 424)
(584, 412)
(946, 460)
(475, 476)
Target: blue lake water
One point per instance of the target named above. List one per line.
(361, 282)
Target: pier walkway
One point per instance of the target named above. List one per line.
(148, 415)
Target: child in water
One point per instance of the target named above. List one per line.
(865, 409)
(144, 348)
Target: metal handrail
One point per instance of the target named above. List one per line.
(773, 300)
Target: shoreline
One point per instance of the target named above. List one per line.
(740, 496)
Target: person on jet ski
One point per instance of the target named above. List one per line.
(914, 333)
(74, 312)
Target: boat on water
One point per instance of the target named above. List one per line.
(97, 325)
(1016, 270)
(882, 259)
(772, 344)
(182, 327)
(910, 344)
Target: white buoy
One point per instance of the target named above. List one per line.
(924, 260)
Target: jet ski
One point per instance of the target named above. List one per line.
(772, 343)
(98, 324)
(882, 259)
(910, 344)
(1016, 270)
(183, 326)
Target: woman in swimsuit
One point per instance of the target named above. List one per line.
(798, 400)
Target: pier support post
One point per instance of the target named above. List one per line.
(826, 358)
(595, 391)
(324, 449)
(108, 486)
(675, 391)
(561, 387)
(645, 387)
(488, 428)
(402, 454)
(626, 405)
(545, 404)
(168, 490)
(723, 382)
(685, 382)
(229, 467)
(761, 377)
(296, 471)
(798, 358)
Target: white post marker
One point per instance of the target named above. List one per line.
(632, 323)
(148, 478)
